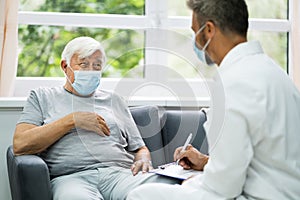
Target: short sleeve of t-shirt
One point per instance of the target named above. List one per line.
(32, 112)
(127, 124)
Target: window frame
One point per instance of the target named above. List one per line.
(155, 18)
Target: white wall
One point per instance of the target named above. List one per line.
(8, 119)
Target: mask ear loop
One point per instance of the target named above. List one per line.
(207, 43)
(208, 59)
(199, 31)
(67, 77)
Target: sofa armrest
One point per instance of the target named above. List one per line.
(147, 119)
(28, 177)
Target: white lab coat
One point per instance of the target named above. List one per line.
(256, 153)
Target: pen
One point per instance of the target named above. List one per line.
(185, 145)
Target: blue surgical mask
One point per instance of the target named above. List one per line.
(86, 82)
(201, 52)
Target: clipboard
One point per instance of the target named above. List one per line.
(175, 171)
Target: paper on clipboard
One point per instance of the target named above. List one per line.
(175, 171)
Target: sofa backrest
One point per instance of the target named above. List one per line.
(177, 125)
(165, 130)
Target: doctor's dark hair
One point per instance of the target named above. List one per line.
(228, 15)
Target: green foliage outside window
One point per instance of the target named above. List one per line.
(41, 46)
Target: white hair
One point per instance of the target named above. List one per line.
(84, 47)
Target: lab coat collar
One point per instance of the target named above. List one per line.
(238, 52)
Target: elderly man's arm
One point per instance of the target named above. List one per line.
(32, 139)
(142, 161)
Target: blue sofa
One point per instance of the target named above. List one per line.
(162, 130)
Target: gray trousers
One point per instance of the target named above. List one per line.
(111, 183)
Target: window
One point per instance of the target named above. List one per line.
(41, 42)
(147, 42)
(273, 33)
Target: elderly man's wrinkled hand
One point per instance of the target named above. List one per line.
(143, 165)
(91, 122)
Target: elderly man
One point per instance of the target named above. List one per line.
(86, 136)
(256, 154)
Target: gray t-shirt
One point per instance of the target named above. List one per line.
(80, 149)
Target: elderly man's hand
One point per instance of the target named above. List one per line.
(142, 161)
(141, 165)
(91, 122)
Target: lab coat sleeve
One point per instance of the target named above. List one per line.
(230, 157)
(231, 152)
(225, 173)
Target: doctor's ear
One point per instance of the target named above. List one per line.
(211, 27)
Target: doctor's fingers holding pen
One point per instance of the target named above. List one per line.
(190, 158)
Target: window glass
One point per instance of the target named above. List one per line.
(274, 45)
(257, 8)
(179, 57)
(40, 49)
(40, 46)
(129, 7)
(268, 9)
(179, 65)
(178, 8)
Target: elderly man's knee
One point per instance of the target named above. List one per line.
(74, 190)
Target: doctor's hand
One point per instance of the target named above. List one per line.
(91, 122)
(142, 161)
(191, 158)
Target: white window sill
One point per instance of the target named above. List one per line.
(19, 102)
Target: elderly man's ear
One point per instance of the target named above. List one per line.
(64, 65)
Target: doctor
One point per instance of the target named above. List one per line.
(256, 155)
